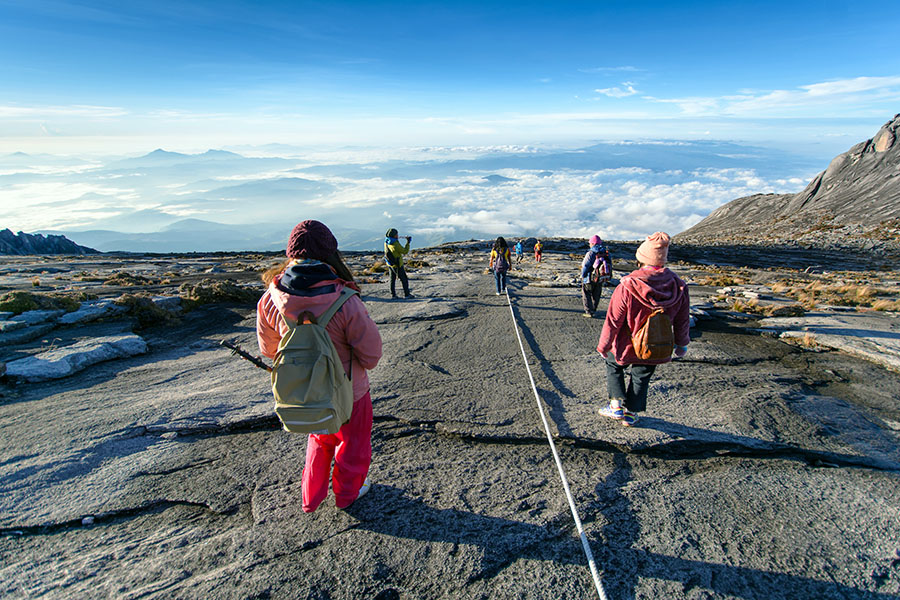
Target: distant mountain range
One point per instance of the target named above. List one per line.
(26, 243)
(854, 202)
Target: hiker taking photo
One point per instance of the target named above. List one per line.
(315, 287)
(648, 318)
(596, 270)
(500, 264)
(393, 256)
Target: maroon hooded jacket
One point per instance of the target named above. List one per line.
(633, 300)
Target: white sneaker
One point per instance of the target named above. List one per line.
(364, 489)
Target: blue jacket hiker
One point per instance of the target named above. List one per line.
(520, 251)
(596, 269)
(393, 256)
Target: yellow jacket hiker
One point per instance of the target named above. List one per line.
(393, 255)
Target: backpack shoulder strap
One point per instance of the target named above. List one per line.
(291, 324)
(346, 294)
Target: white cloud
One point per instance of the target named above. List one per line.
(622, 69)
(47, 112)
(616, 92)
(832, 96)
(618, 203)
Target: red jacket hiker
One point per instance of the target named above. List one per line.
(633, 300)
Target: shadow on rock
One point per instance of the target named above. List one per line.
(622, 564)
(502, 541)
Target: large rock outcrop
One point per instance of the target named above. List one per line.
(855, 201)
(36, 243)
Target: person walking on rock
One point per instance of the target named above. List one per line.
(311, 279)
(393, 255)
(500, 264)
(520, 252)
(652, 286)
(596, 269)
(538, 251)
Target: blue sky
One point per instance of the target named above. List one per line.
(188, 75)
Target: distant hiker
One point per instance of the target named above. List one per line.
(393, 256)
(500, 264)
(538, 251)
(648, 316)
(520, 251)
(311, 280)
(596, 269)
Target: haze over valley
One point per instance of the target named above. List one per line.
(221, 200)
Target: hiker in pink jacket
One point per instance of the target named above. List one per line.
(637, 295)
(311, 280)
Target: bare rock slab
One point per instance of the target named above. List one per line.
(62, 362)
(91, 311)
(872, 336)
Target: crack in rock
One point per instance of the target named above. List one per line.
(153, 506)
(681, 449)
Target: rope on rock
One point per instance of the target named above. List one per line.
(562, 473)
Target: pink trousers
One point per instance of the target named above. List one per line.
(351, 449)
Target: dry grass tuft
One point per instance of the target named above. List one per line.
(754, 307)
(886, 305)
(720, 280)
(379, 266)
(858, 294)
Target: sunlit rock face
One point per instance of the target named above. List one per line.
(856, 200)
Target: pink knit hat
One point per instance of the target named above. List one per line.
(595, 239)
(311, 239)
(654, 250)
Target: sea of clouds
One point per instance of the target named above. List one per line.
(250, 199)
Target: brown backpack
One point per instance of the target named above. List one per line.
(654, 339)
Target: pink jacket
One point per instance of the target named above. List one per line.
(351, 328)
(635, 297)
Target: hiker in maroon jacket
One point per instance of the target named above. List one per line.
(649, 287)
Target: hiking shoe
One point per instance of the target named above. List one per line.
(629, 418)
(587, 315)
(613, 412)
(364, 489)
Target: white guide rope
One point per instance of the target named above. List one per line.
(562, 473)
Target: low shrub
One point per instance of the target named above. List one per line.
(209, 291)
(127, 280)
(145, 310)
(19, 301)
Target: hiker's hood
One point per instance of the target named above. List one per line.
(309, 284)
(655, 286)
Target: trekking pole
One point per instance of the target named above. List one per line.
(235, 349)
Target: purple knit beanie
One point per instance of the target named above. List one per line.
(311, 239)
(595, 239)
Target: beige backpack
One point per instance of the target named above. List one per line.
(654, 339)
(312, 392)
